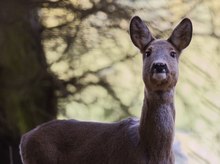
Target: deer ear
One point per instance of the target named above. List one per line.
(139, 33)
(182, 34)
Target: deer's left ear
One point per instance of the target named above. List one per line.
(182, 34)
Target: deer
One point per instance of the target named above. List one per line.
(129, 141)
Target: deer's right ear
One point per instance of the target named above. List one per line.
(140, 34)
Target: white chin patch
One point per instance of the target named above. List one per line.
(159, 76)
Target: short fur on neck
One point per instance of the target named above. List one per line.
(157, 126)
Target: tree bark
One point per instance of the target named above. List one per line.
(27, 95)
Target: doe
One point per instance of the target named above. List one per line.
(130, 141)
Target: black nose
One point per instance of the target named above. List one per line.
(159, 68)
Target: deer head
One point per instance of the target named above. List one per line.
(160, 57)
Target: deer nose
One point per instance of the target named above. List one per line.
(159, 68)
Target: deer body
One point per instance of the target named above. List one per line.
(79, 142)
(148, 141)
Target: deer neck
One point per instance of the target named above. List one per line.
(157, 125)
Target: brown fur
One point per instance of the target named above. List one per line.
(127, 141)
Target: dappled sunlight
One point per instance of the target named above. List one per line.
(105, 68)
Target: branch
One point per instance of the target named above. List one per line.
(108, 87)
(73, 80)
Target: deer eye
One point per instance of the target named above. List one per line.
(148, 52)
(173, 54)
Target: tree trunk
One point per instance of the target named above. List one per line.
(27, 92)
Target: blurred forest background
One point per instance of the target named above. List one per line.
(74, 59)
